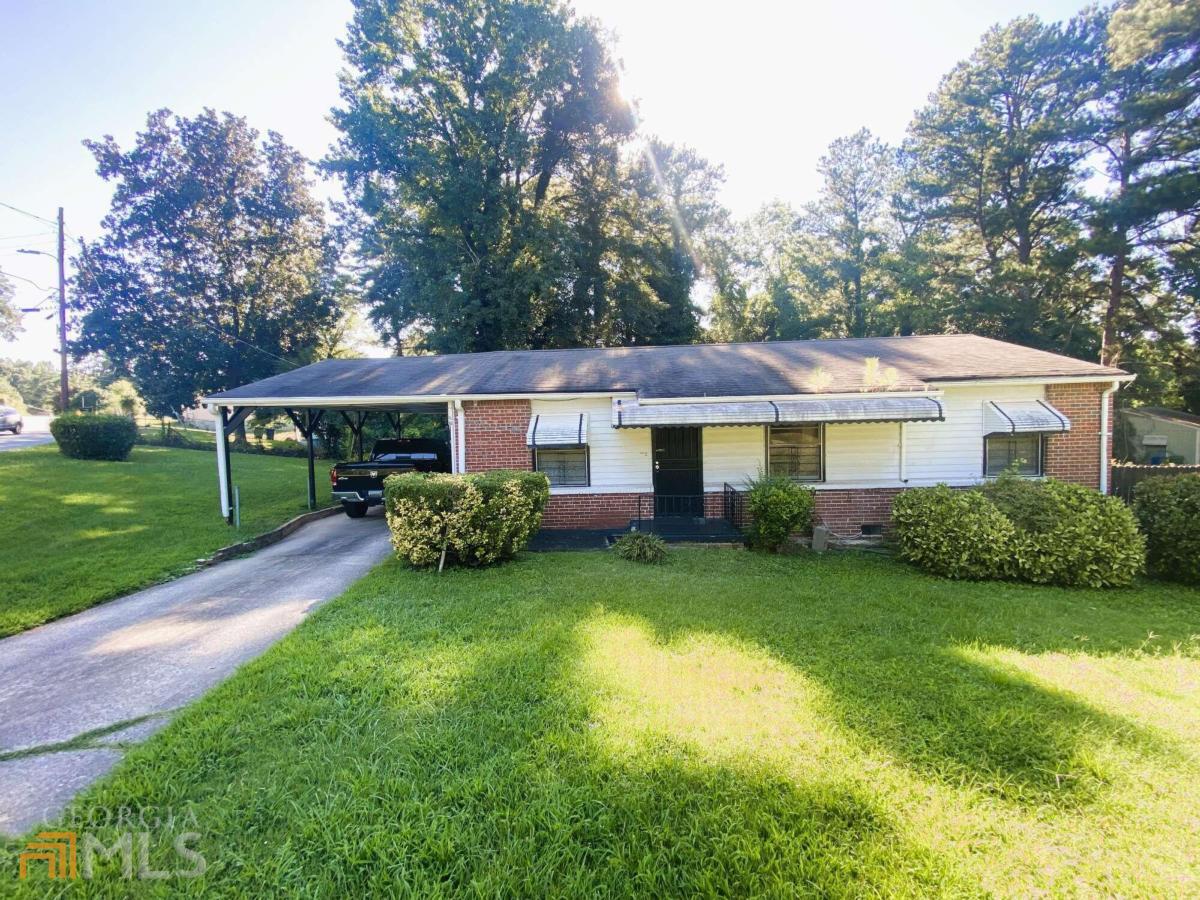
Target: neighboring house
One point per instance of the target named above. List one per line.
(1151, 434)
(628, 432)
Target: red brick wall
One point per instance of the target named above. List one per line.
(593, 510)
(1075, 456)
(495, 432)
(845, 511)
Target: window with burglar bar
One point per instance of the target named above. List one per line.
(794, 451)
(564, 466)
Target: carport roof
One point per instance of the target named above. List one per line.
(692, 370)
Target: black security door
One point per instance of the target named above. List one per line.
(678, 485)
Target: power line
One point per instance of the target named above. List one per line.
(23, 278)
(25, 212)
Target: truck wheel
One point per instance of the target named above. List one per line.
(18, 427)
(354, 509)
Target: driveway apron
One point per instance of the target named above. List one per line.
(75, 692)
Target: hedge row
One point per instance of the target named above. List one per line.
(1044, 532)
(473, 520)
(95, 436)
(1168, 509)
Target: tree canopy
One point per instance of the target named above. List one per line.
(498, 195)
(214, 268)
(10, 318)
(1047, 194)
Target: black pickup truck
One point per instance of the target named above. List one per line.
(360, 485)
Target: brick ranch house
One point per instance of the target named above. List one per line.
(627, 432)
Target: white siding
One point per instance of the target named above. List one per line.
(732, 454)
(859, 453)
(620, 457)
(952, 451)
(866, 455)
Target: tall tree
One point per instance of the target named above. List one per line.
(213, 262)
(997, 154)
(1147, 128)
(851, 231)
(460, 121)
(485, 150)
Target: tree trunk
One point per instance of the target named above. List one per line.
(1110, 353)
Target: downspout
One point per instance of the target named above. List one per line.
(461, 429)
(1104, 428)
(451, 425)
(904, 453)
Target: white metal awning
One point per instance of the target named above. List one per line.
(1022, 417)
(778, 412)
(558, 430)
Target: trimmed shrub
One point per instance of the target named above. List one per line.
(1068, 534)
(952, 533)
(779, 508)
(639, 546)
(1168, 509)
(95, 436)
(474, 519)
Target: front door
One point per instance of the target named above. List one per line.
(678, 484)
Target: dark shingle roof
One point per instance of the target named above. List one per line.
(691, 370)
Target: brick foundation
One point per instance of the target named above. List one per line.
(495, 432)
(593, 510)
(844, 512)
(1075, 455)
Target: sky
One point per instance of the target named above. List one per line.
(758, 86)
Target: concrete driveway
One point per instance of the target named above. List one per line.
(37, 431)
(72, 692)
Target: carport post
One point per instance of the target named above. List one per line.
(223, 462)
(312, 471)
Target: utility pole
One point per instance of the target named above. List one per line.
(64, 392)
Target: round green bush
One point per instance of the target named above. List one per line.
(640, 546)
(1068, 534)
(778, 508)
(1168, 509)
(474, 519)
(952, 533)
(95, 436)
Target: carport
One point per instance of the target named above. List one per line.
(308, 413)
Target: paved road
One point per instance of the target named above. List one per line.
(150, 653)
(37, 431)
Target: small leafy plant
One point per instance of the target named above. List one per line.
(639, 546)
(779, 508)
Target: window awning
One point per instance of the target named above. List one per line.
(778, 412)
(1022, 417)
(565, 430)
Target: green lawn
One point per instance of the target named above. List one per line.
(735, 724)
(76, 532)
